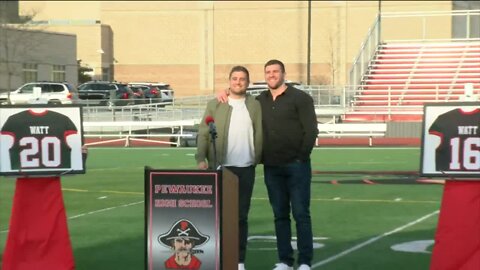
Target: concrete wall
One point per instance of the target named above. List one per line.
(404, 130)
(45, 49)
(193, 44)
(94, 43)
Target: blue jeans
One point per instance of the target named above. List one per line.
(289, 187)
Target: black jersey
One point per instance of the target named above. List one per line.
(39, 140)
(459, 149)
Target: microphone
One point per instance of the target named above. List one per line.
(213, 133)
(211, 126)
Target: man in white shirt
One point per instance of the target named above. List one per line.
(238, 145)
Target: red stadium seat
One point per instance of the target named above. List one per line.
(402, 77)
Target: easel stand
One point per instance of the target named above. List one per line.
(457, 240)
(38, 234)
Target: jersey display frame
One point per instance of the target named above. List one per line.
(451, 141)
(41, 140)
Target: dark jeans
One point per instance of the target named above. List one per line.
(289, 186)
(246, 180)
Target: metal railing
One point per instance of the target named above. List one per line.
(181, 109)
(366, 53)
(157, 132)
(427, 23)
(328, 100)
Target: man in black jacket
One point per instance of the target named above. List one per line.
(290, 131)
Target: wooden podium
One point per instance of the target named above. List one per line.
(191, 218)
(229, 220)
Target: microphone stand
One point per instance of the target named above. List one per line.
(213, 134)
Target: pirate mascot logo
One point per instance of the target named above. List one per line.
(182, 238)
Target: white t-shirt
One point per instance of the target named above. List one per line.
(240, 149)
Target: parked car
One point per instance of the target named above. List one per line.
(257, 87)
(150, 93)
(139, 93)
(50, 93)
(157, 92)
(100, 92)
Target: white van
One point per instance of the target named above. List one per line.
(51, 93)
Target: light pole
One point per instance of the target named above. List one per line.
(309, 42)
(379, 21)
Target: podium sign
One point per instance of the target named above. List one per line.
(182, 219)
(41, 140)
(451, 140)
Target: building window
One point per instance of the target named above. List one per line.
(58, 74)
(30, 72)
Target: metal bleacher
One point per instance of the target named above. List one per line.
(401, 77)
(159, 124)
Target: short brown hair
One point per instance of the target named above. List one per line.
(240, 69)
(275, 62)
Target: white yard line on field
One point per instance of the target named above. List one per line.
(102, 191)
(371, 240)
(105, 209)
(153, 148)
(339, 199)
(95, 212)
(363, 148)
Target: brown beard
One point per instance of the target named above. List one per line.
(183, 259)
(277, 86)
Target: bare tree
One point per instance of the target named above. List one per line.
(331, 58)
(15, 41)
(333, 61)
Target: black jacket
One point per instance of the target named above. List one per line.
(289, 126)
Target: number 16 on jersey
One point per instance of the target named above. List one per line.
(451, 140)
